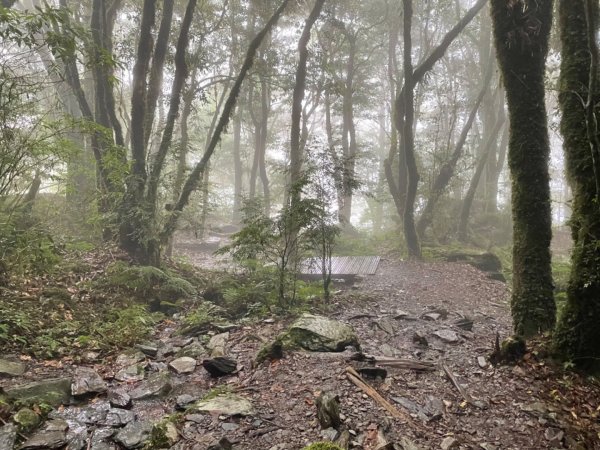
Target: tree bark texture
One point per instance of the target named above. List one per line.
(297, 97)
(521, 34)
(577, 335)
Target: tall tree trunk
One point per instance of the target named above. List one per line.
(195, 176)
(404, 112)
(407, 142)
(521, 33)
(237, 166)
(298, 95)
(577, 335)
(447, 171)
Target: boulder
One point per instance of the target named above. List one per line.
(224, 404)
(53, 392)
(91, 415)
(319, 334)
(155, 386)
(130, 358)
(11, 368)
(183, 365)
(117, 417)
(87, 381)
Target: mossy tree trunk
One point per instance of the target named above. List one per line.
(521, 33)
(577, 337)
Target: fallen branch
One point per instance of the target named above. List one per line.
(400, 363)
(358, 381)
(462, 391)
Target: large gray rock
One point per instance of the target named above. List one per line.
(53, 392)
(224, 404)
(87, 381)
(155, 386)
(11, 368)
(319, 334)
(134, 435)
(119, 399)
(8, 435)
(217, 344)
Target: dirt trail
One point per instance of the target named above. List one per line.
(406, 310)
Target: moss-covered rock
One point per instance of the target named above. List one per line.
(319, 334)
(270, 351)
(52, 392)
(510, 351)
(26, 419)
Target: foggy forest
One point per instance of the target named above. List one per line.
(299, 224)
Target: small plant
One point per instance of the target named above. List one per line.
(126, 327)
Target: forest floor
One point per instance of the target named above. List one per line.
(396, 313)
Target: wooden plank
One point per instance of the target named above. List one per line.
(342, 265)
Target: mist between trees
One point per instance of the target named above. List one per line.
(429, 123)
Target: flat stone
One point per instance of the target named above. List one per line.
(482, 362)
(220, 366)
(156, 385)
(134, 434)
(8, 436)
(149, 349)
(330, 434)
(131, 373)
(449, 443)
(119, 399)
(128, 359)
(12, 368)
(432, 316)
(53, 392)
(45, 440)
(91, 414)
(225, 404)
(447, 336)
(183, 365)
(401, 314)
(229, 426)
(117, 417)
(217, 344)
(87, 381)
(407, 444)
(56, 425)
(319, 334)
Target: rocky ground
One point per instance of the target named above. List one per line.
(429, 326)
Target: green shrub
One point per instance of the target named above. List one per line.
(126, 327)
(323, 446)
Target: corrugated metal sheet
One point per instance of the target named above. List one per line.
(342, 265)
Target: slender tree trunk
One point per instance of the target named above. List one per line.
(195, 176)
(521, 33)
(237, 166)
(298, 95)
(408, 145)
(405, 110)
(447, 171)
(577, 335)
(486, 152)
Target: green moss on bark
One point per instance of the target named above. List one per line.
(577, 336)
(521, 32)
